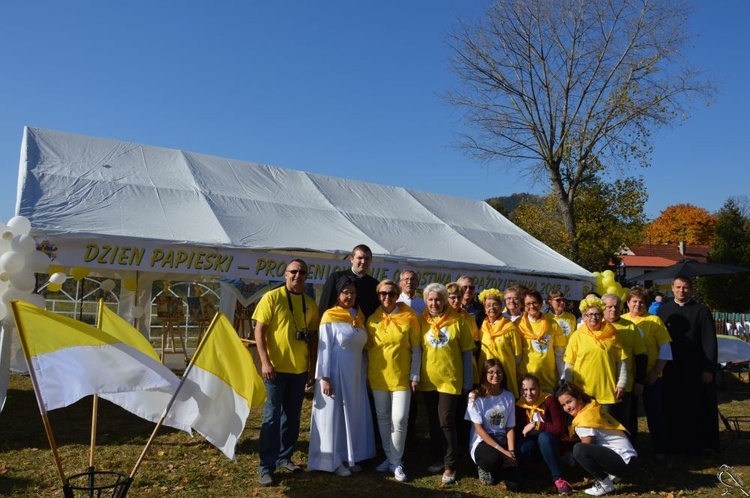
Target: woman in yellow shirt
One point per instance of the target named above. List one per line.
(659, 352)
(445, 374)
(594, 359)
(500, 338)
(394, 353)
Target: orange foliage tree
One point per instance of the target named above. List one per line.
(682, 222)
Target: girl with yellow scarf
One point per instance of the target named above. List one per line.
(605, 451)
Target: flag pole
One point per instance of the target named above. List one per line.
(95, 406)
(34, 384)
(174, 396)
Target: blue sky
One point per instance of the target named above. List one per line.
(350, 89)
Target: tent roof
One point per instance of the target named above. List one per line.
(79, 186)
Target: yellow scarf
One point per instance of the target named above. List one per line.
(400, 317)
(532, 409)
(527, 329)
(607, 334)
(438, 322)
(498, 328)
(337, 314)
(593, 416)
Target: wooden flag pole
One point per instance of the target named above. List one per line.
(174, 396)
(34, 384)
(95, 407)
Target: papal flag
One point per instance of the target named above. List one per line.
(147, 404)
(69, 360)
(219, 386)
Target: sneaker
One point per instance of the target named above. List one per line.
(484, 477)
(342, 471)
(289, 466)
(355, 468)
(449, 478)
(601, 487)
(266, 480)
(399, 473)
(384, 467)
(563, 487)
(615, 479)
(436, 468)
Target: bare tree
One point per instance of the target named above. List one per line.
(558, 88)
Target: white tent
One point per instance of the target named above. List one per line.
(122, 206)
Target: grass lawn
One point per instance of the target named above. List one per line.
(177, 465)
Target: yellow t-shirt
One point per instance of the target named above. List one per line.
(390, 339)
(655, 335)
(287, 353)
(539, 350)
(442, 353)
(501, 340)
(594, 364)
(566, 321)
(631, 341)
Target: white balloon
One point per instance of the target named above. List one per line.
(107, 285)
(136, 311)
(20, 225)
(37, 300)
(9, 295)
(37, 261)
(23, 243)
(12, 262)
(23, 281)
(6, 234)
(4, 245)
(58, 278)
(4, 276)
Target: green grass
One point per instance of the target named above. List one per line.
(177, 465)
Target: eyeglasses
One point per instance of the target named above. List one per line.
(532, 305)
(491, 304)
(494, 373)
(468, 287)
(408, 279)
(385, 294)
(301, 272)
(512, 299)
(594, 316)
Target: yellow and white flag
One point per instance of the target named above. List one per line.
(149, 404)
(219, 386)
(69, 360)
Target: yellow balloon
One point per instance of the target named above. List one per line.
(79, 273)
(608, 281)
(129, 284)
(54, 287)
(55, 269)
(613, 289)
(608, 273)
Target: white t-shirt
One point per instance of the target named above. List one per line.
(497, 414)
(615, 440)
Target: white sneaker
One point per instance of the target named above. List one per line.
(399, 473)
(615, 479)
(384, 467)
(342, 471)
(355, 468)
(601, 487)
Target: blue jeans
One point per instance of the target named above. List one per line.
(545, 446)
(281, 418)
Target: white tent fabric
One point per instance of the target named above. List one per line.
(81, 186)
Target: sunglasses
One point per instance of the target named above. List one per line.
(301, 272)
(390, 294)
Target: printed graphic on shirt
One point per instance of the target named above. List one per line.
(541, 345)
(495, 419)
(442, 339)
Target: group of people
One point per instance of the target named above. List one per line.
(496, 375)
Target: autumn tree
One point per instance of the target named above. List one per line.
(608, 216)
(681, 223)
(731, 246)
(551, 87)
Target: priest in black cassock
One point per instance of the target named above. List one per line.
(690, 403)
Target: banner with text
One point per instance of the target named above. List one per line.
(258, 265)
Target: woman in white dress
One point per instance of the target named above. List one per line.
(341, 431)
